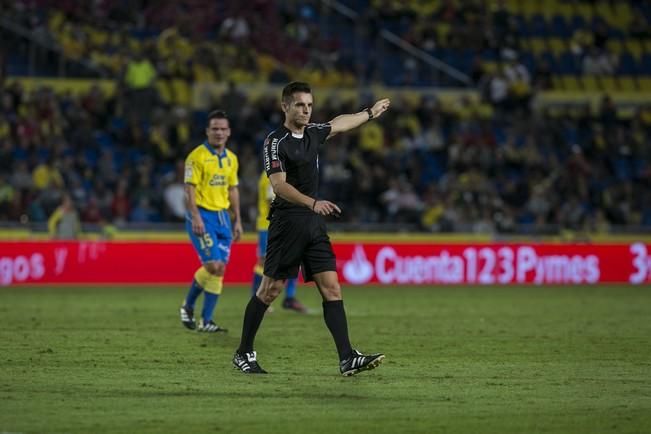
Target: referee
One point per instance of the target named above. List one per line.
(297, 230)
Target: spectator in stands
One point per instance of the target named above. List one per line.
(174, 195)
(7, 193)
(598, 62)
(63, 223)
(47, 174)
(139, 77)
(518, 79)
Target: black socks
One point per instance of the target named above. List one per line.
(253, 316)
(335, 318)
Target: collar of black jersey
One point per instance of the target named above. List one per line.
(291, 133)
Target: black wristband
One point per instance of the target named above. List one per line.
(370, 113)
(314, 204)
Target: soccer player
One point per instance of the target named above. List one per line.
(210, 190)
(265, 196)
(297, 230)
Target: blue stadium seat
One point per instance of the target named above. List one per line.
(559, 27)
(538, 26)
(627, 65)
(577, 22)
(645, 64)
(568, 64)
(104, 139)
(91, 156)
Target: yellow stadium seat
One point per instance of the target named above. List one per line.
(609, 84)
(644, 83)
(622, 14)
(602, 9)
(590, 83)
(614, 46)
(627, 83)
(570, 83)
(513, 6)
(442, 31)
(557, 82)
(634, 46)
(585, 10)
(529, 8)
(557, 46)
(565, 9)
(489, 67)
(647, 45)
(548, 8)
(537, 45)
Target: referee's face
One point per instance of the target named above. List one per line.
(299, 110)
(218, 132)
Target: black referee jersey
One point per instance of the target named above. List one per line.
(298, 157)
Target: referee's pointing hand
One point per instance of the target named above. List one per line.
(325, 207)
(380, 107)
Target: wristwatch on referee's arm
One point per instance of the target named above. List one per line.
(370, 113)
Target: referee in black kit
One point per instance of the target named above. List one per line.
(297, 230)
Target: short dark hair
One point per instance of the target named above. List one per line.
(216, 114)
(294, 87)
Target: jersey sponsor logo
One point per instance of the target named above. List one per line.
(188, 172)
(267, 156)
(217, 181)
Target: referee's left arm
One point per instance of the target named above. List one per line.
(343, 123)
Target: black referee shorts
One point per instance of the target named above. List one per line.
(298, 238)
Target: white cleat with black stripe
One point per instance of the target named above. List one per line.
(247, 363)
(210, 327)
(359, 362)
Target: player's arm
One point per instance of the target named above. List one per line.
(191, 205)
(288, 192)
(53, 221)
(343, 123)
(234, 197)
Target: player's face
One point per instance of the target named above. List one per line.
(218, 132)
(299, 111)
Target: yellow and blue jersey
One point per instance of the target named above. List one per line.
(265, 196)
(212, 175)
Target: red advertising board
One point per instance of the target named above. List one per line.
(357, 263)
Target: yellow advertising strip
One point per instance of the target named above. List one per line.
(61, 85)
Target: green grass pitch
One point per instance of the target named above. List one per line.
(459, 360)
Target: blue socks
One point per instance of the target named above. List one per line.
(194, 292)
(257, 278)
(290, 291)
(209, 303)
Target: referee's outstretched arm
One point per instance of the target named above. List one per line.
(343, 123)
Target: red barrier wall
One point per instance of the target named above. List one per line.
(358, 263)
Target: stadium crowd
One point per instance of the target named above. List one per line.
(493, 164)
(443, 166)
